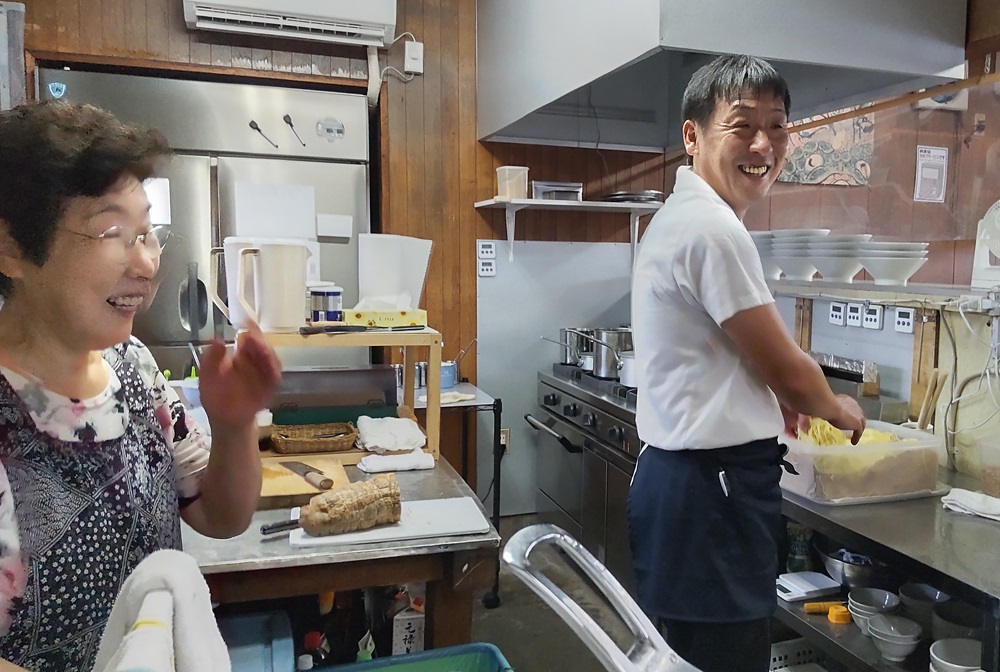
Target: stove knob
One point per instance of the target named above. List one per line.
(551, 399)
(616, 434)
(589, 420)
(571, 410)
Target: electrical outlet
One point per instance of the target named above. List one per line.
(487, 268)
(873, 317)
(854, 314)
(904, 320)
(487, 249)
(980, 124)
(504, 439)
(837, 311)
(413, 58)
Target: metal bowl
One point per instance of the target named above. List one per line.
(850, 575)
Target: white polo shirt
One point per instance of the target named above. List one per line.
(696, 267)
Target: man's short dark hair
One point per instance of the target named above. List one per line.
(54, 151)
(727, 78)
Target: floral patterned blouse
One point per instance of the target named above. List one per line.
(88, 489)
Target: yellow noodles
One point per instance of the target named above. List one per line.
(822, 433)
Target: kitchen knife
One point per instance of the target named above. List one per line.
(283, 526)
(312, 475)
(331, 328)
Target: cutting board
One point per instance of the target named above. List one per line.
(282, 488)
(419, 520)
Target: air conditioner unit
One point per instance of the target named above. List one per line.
(359, 22)
(12, 76)
(957, 100)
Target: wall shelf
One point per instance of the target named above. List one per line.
(513, 206)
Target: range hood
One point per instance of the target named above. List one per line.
(579, 72)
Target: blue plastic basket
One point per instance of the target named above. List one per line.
(259, 642)
(476, 657)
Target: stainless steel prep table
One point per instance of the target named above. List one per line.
(254, 567)
(957, 553)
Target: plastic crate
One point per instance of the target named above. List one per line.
(259, 642)
(477, 657)
(795, 655)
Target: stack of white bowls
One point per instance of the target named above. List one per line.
(918, 601)
(763, 241)
(790, 251)
(863, 603)
(800, 253)
(894, 636)
(956, 655)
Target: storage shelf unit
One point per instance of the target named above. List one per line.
(514, 205)
(411, 342)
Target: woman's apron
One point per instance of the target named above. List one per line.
(88, 513)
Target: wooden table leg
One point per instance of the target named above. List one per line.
(449, 615)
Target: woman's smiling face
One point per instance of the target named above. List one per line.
(88, 285)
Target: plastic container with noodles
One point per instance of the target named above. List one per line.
(877, 471)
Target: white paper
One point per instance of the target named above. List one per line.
(275, 210)
(334, 226)
(158, 192)
(932, 174)
(391, 266)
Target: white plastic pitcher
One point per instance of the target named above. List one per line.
(279, 281)
(231, 248)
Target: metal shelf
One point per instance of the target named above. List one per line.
(845, 643)
(512, 206)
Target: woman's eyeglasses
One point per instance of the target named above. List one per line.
(123, 239)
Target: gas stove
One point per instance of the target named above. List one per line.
(604, 410)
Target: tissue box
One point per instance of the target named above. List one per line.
(407, 632)
(387, 318)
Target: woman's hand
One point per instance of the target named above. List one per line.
(234, 387)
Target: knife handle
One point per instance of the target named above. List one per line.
(319, 480)
(279, 527)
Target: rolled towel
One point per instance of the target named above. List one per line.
(418, 459)
(389, 435)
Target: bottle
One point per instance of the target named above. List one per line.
(799, 552)
(304, 662)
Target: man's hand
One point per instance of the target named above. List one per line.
(851, 417)
(793, 421)
(234, 387)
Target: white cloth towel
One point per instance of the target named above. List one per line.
(450, 397)
(389, 435)
(418, 459)
(162, 621)
(972, 503)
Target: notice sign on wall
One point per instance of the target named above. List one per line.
(932, 174)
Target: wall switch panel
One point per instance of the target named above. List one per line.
(873, 317)
(487, 268)
(838, 312)
(487, 249)
(413, 58)
(904, 320)
(855, 311)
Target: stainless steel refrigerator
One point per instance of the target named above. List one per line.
(230, 140)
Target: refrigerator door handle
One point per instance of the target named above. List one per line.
(193, 302)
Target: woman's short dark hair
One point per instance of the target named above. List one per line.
(54, 151)
(727, 78)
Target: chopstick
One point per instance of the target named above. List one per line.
(942, 377)
(926, 403)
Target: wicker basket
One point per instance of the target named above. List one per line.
(287, 439)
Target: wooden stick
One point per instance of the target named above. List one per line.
(942, 377)
(925, 404)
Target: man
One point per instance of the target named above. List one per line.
(718, 373)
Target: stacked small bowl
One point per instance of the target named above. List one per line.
(790, 251)
(763, 241)
(956, 655)
(863, 603)
(918, 602)
(894, 636)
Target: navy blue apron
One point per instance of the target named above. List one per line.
(704, 528)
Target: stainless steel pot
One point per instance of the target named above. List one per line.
(610, 343)
(629, 373)
(575, 345)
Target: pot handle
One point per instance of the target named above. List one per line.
(565, 345)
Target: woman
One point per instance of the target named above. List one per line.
(98, 461)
